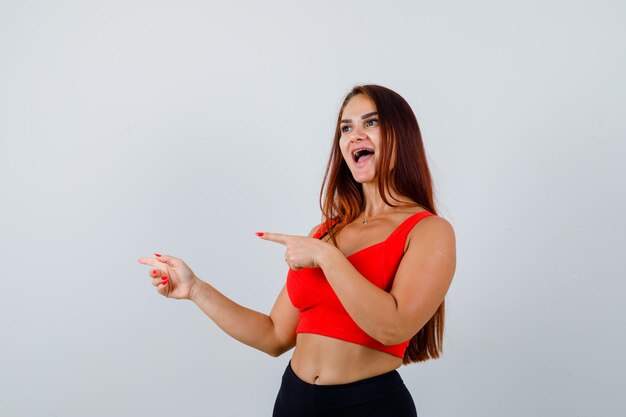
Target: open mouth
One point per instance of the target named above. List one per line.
(362, 154)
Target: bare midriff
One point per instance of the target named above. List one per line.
(323, 360)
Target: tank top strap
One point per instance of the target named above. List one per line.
(323, 229)
(406, 226)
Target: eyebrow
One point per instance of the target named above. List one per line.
(365, 116)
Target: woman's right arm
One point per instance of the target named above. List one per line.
(274, 334)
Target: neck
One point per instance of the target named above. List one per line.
(374, 204)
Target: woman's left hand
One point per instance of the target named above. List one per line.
(301, 251)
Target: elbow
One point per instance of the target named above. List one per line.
(390, 330)
(274, 353)
(394, 334)
(277, 351)
(389, 336)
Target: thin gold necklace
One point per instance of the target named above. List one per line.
(365, 221)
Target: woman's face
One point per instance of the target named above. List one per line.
(360, 139)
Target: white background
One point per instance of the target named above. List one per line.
(128, 128)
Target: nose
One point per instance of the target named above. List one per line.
(357, 134)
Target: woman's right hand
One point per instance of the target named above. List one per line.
(171, 276)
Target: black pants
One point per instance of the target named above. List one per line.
(379, 396)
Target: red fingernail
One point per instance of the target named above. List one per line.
(154, 271)
(164, 282)
(260, 233)
(157, 254)
(164, 277)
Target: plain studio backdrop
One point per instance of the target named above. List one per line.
(128, 128)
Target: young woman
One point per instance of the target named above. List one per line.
(365, 289)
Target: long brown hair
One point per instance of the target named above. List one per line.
(341, 197)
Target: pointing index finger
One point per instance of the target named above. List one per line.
(275, 237)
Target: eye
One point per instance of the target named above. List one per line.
(345, 129)
(371, 122)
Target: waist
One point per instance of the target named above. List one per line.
(356, 392)
(323, 360)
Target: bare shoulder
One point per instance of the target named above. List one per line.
(431, 245)
(432, 230)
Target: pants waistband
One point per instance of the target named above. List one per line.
(352, 393)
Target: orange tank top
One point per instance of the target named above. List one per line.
(322, 313)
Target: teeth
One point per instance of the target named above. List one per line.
(359, 152)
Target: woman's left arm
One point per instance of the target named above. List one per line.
(420, 285)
